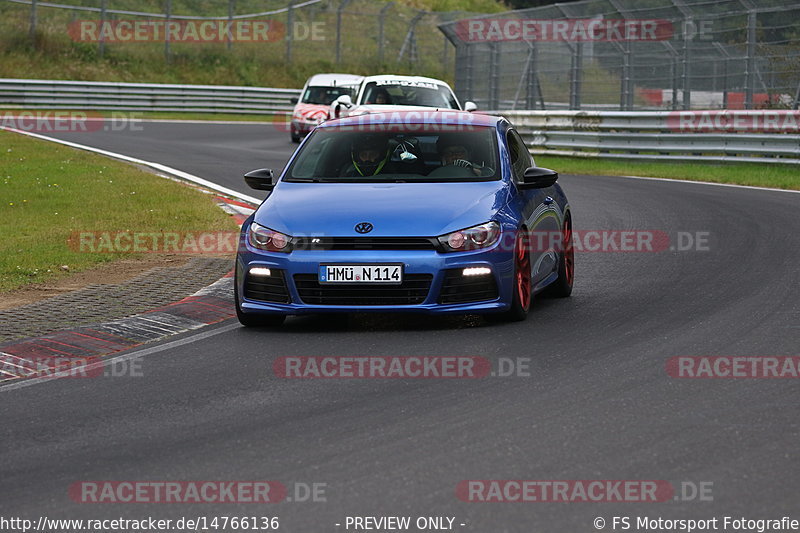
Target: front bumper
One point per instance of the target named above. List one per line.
(415, 262)
(302, 127)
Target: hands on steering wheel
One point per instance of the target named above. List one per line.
(477, 170)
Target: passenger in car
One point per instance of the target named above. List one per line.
(456, 151)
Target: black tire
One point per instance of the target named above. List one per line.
(520, 301)
(562, 287)
(296, 138)
(254, 320)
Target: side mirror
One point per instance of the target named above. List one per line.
(470, 106)
(293, 100)
(538, 178)
(261, 179)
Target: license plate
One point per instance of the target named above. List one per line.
(386, 274)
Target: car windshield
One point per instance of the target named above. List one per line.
(325, 95)
(417, 93)
(394, 153)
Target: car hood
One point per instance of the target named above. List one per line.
(310, 111)
(394, 209)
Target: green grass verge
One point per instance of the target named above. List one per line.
(49, 191)
(757, 175)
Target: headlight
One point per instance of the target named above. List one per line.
(474, 238)
(267, 239)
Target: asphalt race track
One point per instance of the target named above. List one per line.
(598, 403)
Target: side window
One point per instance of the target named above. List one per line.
(518, 152)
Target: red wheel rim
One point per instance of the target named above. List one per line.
(523, 272)
(569, 251)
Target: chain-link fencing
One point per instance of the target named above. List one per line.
(632, 55)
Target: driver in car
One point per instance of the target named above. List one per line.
(381, 97)
(368, 156)
(455, 151)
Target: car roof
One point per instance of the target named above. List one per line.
(398, 77)
(434, 116)
(334, 80)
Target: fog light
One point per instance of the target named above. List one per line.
(260, 271)
(476, 271)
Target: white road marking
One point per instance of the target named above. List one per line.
(751, 187)
(128, 356)
(157, 166)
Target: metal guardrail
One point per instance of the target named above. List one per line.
(659, 135)
(87, 95)
(603, 134)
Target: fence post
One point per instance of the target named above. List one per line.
(381, 22)
(445, 54)
(167, 49)
(750, 73)
(796, 105)
(101, 43)
(339, 30)
(631, 78)
(533, 94)
(410, 42)
(686, 73)
(470, 67)
(625, 77)
(289, 31)
(674, 66)
(725, 57)
(575, 76)
(32, 30)
(494, 75)
(725, 83)
(229, 32)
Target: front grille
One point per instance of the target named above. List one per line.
(364, 243)
(413, 290)
(458, 289)
(267, 288)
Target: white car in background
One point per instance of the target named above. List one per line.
(389, 92)
(318, 93)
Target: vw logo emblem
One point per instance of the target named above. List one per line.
(364, 227)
